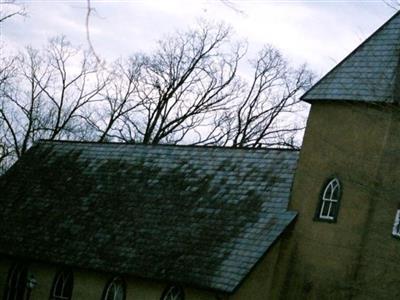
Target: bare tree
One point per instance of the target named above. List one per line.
(46, 95)
(119, 100)
(262, 117)
(191, 76)
(70, 91)
(8, 9)
(7, 72)
(187, 91)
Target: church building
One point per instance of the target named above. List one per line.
(111, 221)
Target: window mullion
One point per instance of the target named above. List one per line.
(329, 201)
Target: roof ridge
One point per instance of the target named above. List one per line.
(41, 141)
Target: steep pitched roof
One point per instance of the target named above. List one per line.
(371, 73)
(194, 215)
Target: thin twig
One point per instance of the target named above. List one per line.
(89, 41)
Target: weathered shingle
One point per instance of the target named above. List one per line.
(194, 215)
(371, 73)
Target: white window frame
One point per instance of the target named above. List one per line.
(62, 278)
(117, 288)
(173, 292)
(396, 225)
(20, 282)
(328, 199)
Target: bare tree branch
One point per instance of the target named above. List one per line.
(184, 83)
(258, 119)
(89, 11)
(9, 9)
(395, 4)
(44, 95)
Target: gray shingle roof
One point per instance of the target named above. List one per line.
(370, 73)
(193, 215)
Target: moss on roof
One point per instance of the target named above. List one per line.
(194, 215)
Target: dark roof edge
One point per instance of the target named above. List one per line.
(304, 96)
(166, 145)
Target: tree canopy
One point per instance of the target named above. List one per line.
(188, 90)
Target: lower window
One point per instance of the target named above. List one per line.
(16, 286)
(396, 225)
(115, 290)
(62, 286)
(173, 292)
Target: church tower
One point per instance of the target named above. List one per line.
(345, 243)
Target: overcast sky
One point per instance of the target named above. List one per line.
(319, 32)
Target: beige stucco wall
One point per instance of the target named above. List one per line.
(89, 285)
(259, 284)
(330, 260)
(379, 274)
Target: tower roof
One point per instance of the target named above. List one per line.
(371, 73)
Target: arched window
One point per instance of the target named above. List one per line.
(115, 289)
(173, 292)
(16, 287)
(62, 286)
(329, 203)
(396, 225)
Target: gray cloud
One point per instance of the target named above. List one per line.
(320, 33)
